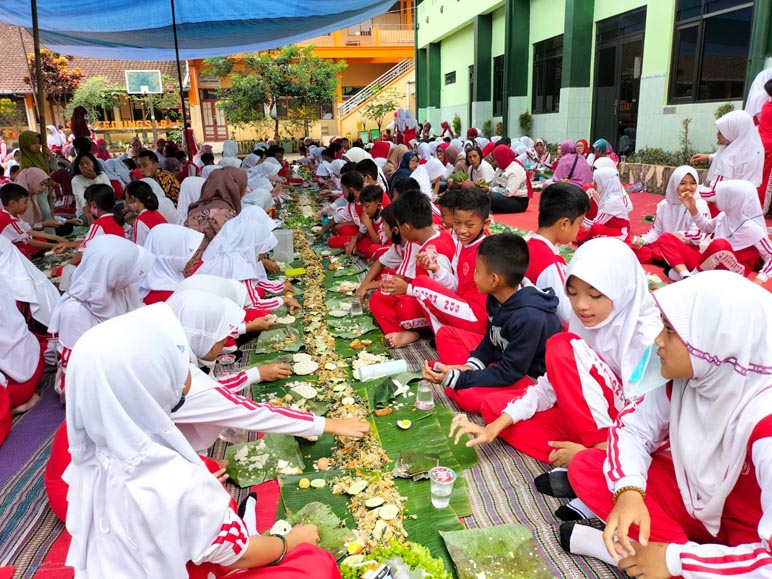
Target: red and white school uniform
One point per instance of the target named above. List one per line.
(17, 232)
(404, 312)
(144, 222)
(671, 216)
(464, 308)
(369, 248)
(547, 268)
(350, 216)
(614, 207)
(173, 246)
(734, 240)
(104, 225)
(584, 387)
(709, 495)
(400, 260)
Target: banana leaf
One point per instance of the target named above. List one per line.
(284, 339)
(260, 459)
(344, 349)
(334, 285)
(503, 551)
(402, 377)
(333, 532)
(293, 498)
(351, 327)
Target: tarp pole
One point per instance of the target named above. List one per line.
(179, 78)
(40, 108)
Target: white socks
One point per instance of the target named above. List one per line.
(588, 541)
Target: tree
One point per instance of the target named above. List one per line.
(266, 77)
(59, 81)
(95, 94)
(167, 102)
(10, 115)
(382, 103)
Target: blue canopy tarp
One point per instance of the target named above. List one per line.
(142, 29)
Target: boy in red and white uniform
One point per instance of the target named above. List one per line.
(690, 465)
(371, 239)
(562, 208)
(397, 311)
(15, 199)
(463, 309)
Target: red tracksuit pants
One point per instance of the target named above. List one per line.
(615, 227)
(648, 253)
(670, 522)
(454, 346)
(718, 255)
(16, 393)
(446, 308)
(574, 379)
(397, 313)
(342, 237)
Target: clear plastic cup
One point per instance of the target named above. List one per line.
(442, 479)
(424, 397)
(225, 366)
(356, 307)
(386, 278)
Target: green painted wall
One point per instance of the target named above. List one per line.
(455, 15)
(458, 55)
(497, 43)
(547, 19)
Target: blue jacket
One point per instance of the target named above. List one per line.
(515, 341)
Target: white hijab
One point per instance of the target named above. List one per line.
(614, 200)
(206, 170)
(19, 348)
(120, 169)
(743, 157)
(28, 284)
(421, 175)
(672, 214)
(230, 151)
(219, 286)
(713, 414)
(742, 220)
(424, 151)
(165, 205)
(53, 139)
(250, 161)
(356, 154)
(103, 286)
(190, 192)
(410, 122)
(133, 476)
(173, 246)
(757, 96)
(604, 163)
(233, 251)
(206, 319)
(611, 267)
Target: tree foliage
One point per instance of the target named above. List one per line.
(58, 79)
(10, 115)
(95, 94)
(384, 102)
(168, 102)
(264, 78)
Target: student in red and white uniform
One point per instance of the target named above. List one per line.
(614, 207)
(463, 309)
(371, 240)
(688, 470)
(562, 207)
(398, 259)
(574, 404)
(347, 220)
(233, 254)
(15, 201)
(671, 216)
(102, 287)
(397, 311)
(117, 395)
(143, 203)
(173, 247)
(734, 240)
(21, 360)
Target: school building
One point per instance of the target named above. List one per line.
(590, 68)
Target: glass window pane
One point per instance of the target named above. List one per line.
(688, 9)
(725, 55)
(712, 6)
(685, 63)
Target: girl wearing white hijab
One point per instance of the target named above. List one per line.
(757, 96)
(230, 151)
(740, 154)
(173, 246)
(614, 207)
(134, 477)
(234, 251)
(102, 287)
(21, 361)
(701, 509)
(733, 240)
(190, 192)
(28, 284)
(671, 214)
(587, 382)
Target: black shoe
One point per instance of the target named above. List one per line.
(555, 484)
(568, 513)
(564, 531)
(245, 504)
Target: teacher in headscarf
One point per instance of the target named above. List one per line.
(34, 153)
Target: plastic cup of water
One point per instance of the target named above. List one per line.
(424, 398)
(386, 278)
(442, 479)
(225, 365)
(356, 307)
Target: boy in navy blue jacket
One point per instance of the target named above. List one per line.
(510, 356)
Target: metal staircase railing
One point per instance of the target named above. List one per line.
(374, 87)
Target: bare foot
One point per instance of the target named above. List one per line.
(26, 406)
(401, 339)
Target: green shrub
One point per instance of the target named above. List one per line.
(487, 129)
(721, 110)
(526, 123)
(655, 156)
(457, 126)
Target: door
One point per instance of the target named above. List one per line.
(215, 124)
(619, 61)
